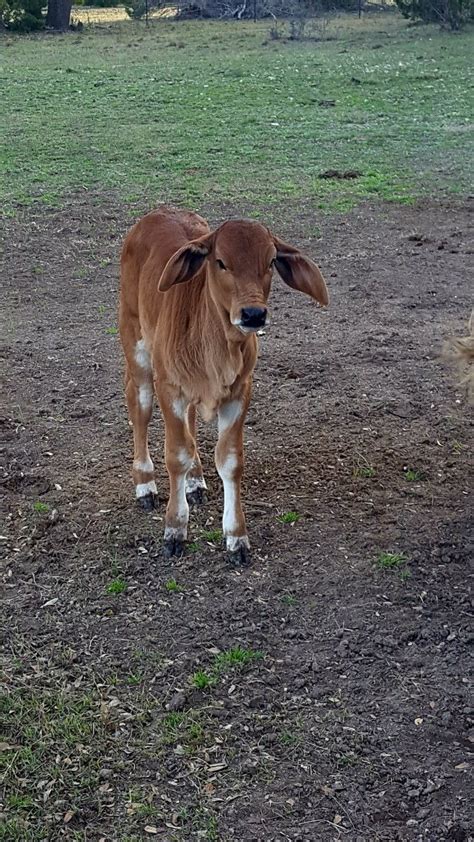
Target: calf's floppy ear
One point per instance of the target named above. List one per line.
(299, 272)
(186, 262)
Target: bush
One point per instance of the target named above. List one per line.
(21, 15)
(452, 14)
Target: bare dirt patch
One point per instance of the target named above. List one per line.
(348, 717)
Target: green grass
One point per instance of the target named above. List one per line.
(43, 730)
(412, 476)
(390, 561)
(224, 662)
(289, 599)
(172, 586)
(41, 508)
(124, 109)
(212, 536)
(289, 517)
(203, 680)
(117, 586)
(364, 471)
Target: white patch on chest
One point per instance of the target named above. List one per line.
(142, 356)
(228, 415)
(145, 395)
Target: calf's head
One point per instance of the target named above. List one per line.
(239, 258)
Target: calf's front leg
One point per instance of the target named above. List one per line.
(230, 466)
(179, 456)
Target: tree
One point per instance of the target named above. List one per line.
(452, 14)
(59, 14)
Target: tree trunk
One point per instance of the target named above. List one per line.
(59, 14)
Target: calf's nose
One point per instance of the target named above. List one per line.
(253, 316)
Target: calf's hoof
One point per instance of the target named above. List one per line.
(173, 547)
(238, 551)
(148, 502)
(196, 497)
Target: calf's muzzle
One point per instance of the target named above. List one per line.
(253, 317)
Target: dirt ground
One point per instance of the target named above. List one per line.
(351, 718)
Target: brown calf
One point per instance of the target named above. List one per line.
(191, 301)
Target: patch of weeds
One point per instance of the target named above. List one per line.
(40, 508)
(288, 599)
(213, 536)
(235, 657)
(289, 738)
(193, 547)
(364, 471)
(203, 680)
(185, 728)
(172, 586)
(390, 561)
(412, 476)
(394, 561)
(42, 729)
(134, 679)
(117, 586)
(139, 804)
(347, 760)
(289, 517)
(101, 309)
(111, 331)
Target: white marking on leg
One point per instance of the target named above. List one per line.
(145, 396)
(179, 408)
(228, 414)
(193, 483)
(234, 542)
(146, 466)
(142, 355)
(179, 532)
(144, 488)
(185, 459)
(226, 473)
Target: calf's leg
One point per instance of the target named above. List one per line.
(180, 455)
(139, 395)
(230, 465)
(195, 482)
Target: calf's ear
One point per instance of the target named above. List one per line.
(299, 272)
(184, 264)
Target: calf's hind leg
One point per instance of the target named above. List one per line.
(180, 456)
(139, 395)
(195, 482)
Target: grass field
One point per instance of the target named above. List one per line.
(199, 112)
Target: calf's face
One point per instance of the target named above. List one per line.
(240, 257)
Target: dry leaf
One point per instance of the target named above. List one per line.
(337, 819)
(150, 828)
(68, 816)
